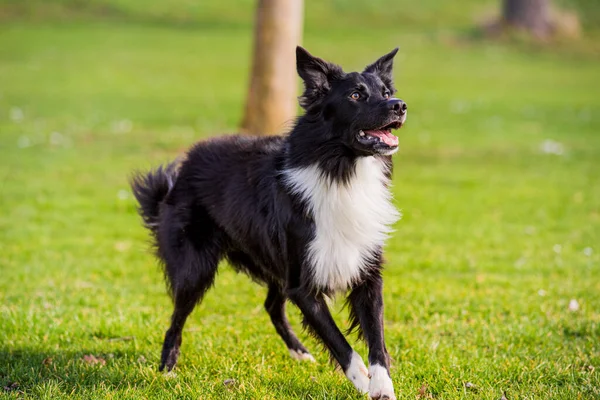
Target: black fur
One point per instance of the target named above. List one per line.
(228, 199)
(150, 189)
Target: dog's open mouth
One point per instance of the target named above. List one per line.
(381, 135)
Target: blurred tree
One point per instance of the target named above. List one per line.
(273, 83)
(531, 15)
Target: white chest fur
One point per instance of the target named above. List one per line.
(352, 220)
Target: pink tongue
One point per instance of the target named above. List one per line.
(385, 136)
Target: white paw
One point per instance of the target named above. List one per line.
(358, 373)
(381, 386)
(296, 355)
(171, 375)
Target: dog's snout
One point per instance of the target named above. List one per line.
(397, 106)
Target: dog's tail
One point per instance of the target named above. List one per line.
(150, 189)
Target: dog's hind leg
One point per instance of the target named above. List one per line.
(191, 266)
(275, 305)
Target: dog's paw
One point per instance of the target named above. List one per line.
(301, 356)
(358, 374)
(381, 386)
(169, 359)
(171, 375)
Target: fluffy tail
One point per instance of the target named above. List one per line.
(150, 189)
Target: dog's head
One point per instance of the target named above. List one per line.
(359, 106)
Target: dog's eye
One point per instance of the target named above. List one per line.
(386, 95)
(355, 96)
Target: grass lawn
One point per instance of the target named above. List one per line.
(498, 179)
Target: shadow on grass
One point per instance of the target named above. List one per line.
(85, 373)
(24, 369)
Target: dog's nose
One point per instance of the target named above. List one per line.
(398, 106)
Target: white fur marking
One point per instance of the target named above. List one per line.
(390, 152)
(357, 373)
(381, 386)
(301, 356)
(352, 220)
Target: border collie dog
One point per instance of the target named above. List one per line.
(306, 214)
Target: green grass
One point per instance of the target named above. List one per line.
(497, 237)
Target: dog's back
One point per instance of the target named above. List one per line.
(215, 169)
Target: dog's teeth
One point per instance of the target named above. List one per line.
(361, 133)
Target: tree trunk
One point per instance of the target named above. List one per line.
(530, 15)
(273, 83)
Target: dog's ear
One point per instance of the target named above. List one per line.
(317, 75)
(383, 68)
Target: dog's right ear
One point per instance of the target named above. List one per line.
(383, 68)
(317, 75)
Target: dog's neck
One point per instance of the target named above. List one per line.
(312, 143)
(349, 200)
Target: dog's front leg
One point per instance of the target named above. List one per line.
(366, 306)
(319, 320)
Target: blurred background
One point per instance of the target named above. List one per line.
(492, 275)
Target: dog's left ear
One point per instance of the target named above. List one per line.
(317, 75)
(383, 68)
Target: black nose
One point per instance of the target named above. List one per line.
(397, 105)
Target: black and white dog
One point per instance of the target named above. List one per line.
(307, 214)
